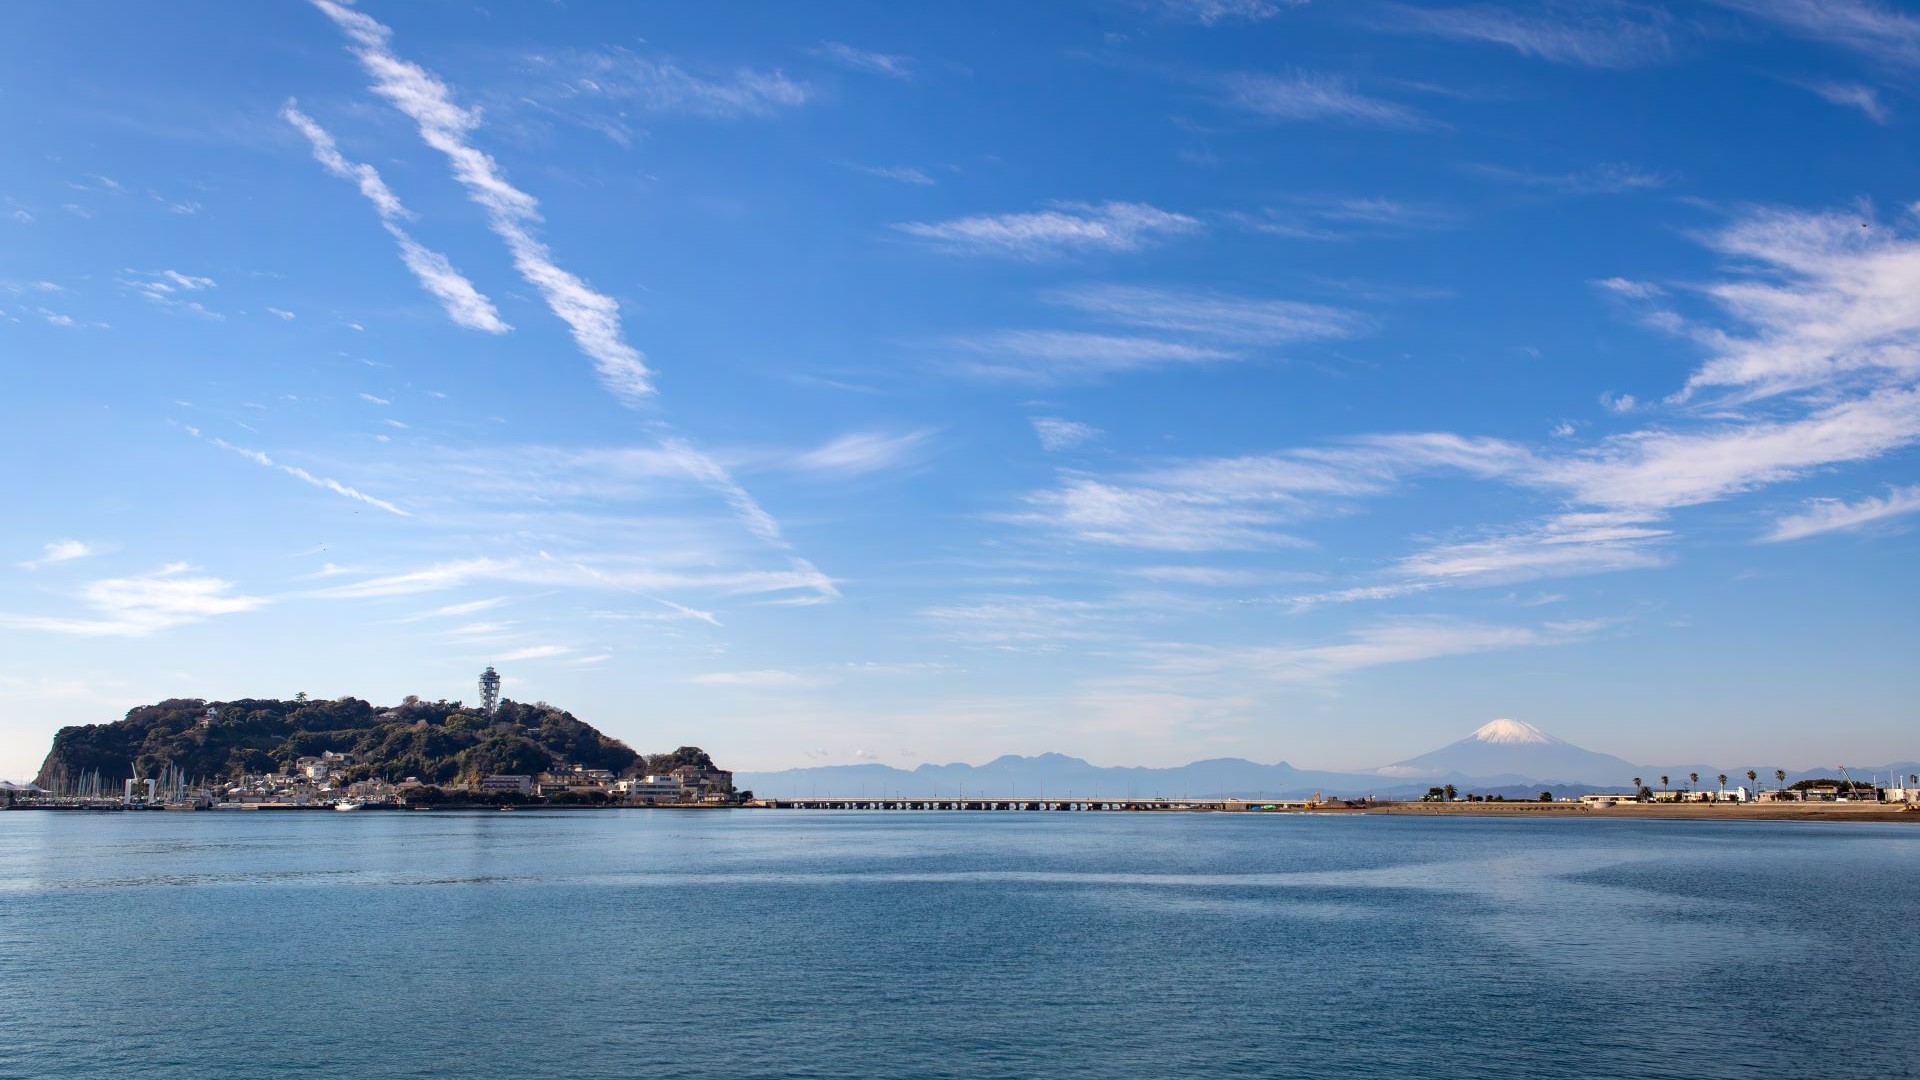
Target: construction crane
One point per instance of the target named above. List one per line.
(1852, 788)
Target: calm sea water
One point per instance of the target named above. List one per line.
(661, 943)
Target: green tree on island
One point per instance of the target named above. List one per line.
(1663, 785)
(1450, 792)
(1780, 777)
(1693, 780)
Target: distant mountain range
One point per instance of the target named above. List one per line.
(1058, 775)
(1506, 757)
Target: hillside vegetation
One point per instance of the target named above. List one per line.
(436, 741)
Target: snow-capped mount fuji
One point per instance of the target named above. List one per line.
(1512, 732)
(1515, 752)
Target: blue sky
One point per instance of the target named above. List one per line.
(1145, 380)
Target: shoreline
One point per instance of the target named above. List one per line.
(1664, 811)
(1828, 812)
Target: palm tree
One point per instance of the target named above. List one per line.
(1693, 780)
(1636, 787)
(1663, 785)
(1723, 788)
(1780, 777)
(1754, 779)
(1451, 792)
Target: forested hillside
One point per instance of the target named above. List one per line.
(437, 741)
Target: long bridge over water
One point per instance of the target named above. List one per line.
(1088, 803)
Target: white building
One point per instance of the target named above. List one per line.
(520, 784)
(655, 789)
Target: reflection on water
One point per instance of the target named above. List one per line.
(770, 944)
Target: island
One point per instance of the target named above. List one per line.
(346, 753)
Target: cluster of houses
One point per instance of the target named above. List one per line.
(312, 781)
(319, 781)
(686, 784)
(1814, 793)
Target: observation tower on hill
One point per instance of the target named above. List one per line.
(489, 690)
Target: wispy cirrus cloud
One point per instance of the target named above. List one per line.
(1656, 470)
(1633, 483)
(1213, 577)
(657, 84)
(1213, 12)
(142, 605)
(1566, 545)
(1346, 218)
(903, 174)
(300, 474)
(592, 317)
(1240, 503)
(468, 607)
(1068, 355)
(1066, 228)
(1221, 317)
(613, 573)
(1879, 31)
(445, 125)
(1828, 296)
(1056, 434)
(1396, 642)
(1629, 288)
(1613, 178)
(534, 652)
(1153, 519)
(1852, 95)
(1163, 328)
(1603, 35)
(173, 290)
(1315, 98)
(59, 551)
(861, 452)
(1630, 483)
(1309, 601)
(1819, 363)
(682, 611)
(864, 60)
(1835, 515)
(463, 303)
(1022, 623)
